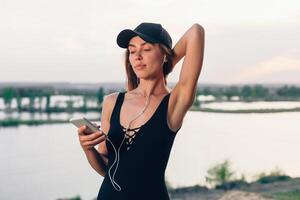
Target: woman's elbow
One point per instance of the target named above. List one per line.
(198, 27)
(197, 31)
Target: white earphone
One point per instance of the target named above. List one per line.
(117, 152)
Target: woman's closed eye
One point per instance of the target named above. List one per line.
(132, 52)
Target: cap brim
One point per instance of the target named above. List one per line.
(125, 36)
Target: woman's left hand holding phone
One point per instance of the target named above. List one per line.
(90, 139)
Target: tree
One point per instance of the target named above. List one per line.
(246, 92)
(48, 101)
(196, 102)
(31, 103)
(259, 91)
(70, 103)
(100, 96)
(231, 91)
(19, 103)
(84, 106)
(220, 173)
(8, 95)
(40, 100)
(207, 91)
(287, 91)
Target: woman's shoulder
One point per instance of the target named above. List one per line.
(108, 104)
(110, 99)
(112, 95)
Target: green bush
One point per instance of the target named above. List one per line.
(273, 178)
(72, 198)
(220, 174)
(236, 184)
(275, 175)
(293, 195)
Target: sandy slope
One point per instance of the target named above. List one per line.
(254, 191)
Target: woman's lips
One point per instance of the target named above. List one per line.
(139, 66)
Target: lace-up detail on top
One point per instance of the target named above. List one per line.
(130, 135)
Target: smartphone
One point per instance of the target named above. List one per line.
(78, 122)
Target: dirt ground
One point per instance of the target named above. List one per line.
(241, 195)
(255, 191)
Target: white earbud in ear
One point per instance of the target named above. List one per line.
(165, 59)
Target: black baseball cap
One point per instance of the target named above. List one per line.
(150, 32)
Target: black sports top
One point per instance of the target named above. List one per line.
(142, 158)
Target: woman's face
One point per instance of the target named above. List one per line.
(145, 58)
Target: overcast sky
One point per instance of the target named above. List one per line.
(255, 41)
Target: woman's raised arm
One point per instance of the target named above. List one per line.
(191, 47)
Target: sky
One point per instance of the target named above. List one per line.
(255, 41)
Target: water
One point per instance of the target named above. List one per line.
(253, 142)
(45, 116)
(46, 162)
(252, 105)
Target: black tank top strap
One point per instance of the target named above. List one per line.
(159, 115)
(163, 114)
(117, 108)
(163, 107)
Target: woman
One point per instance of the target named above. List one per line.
(139, 125)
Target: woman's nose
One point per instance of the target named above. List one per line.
(138, 55)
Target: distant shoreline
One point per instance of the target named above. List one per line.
(34, 122)
(246, 110)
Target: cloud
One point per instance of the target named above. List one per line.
(269, 69)
(80, 36)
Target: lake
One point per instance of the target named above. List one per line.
(251, 105)
(46, 162)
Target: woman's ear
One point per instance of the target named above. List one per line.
(165, 59)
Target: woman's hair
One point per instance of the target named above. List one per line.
(132, 80)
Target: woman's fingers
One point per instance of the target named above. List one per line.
(94, 135)
(82, 131)
(91, 139)
(94, 142)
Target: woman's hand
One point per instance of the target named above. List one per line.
(194, 37)
(88, 141)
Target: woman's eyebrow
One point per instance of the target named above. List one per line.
(132, 45)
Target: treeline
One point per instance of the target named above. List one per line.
(252, 93)
(37, 94)
(222, 93)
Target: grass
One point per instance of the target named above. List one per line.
(72, 198)
(293, 195)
